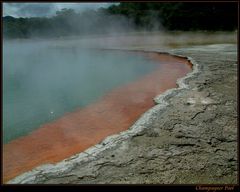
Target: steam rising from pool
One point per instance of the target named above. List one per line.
(43, 81)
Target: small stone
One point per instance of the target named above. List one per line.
(179, 135)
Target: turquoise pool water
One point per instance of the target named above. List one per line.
(42, 82)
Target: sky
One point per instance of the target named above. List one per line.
(45, 9)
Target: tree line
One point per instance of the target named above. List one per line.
(127, 16)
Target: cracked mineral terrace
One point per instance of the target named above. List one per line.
(188, 137)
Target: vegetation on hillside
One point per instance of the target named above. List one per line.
(127, 16)
(181, 16)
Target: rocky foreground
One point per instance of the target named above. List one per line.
(189, 137)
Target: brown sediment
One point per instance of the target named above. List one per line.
(79, 130)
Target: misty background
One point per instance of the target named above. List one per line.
(26, 20)
(46, 9)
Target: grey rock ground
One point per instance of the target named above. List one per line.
(191, 140)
